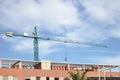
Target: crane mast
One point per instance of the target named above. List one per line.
(36, 37)
(36, 50)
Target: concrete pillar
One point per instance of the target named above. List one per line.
(45, 65)
(84, 67)
(9, 65)
(104, 75)
(110, 72)
(15, 78)
(0, 63)
(42, 78)
(1, 77)
(51, 78)
(61, 78)
(98, 72)
(104, 72)
(20, 64)
(68, 67)
(32, 67)
(33, 78)
(10, 78)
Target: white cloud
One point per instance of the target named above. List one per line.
(102, 10)
(8, 39)
(59, 13)
(98, 21)
(95, 11)
(46, 48)
(86, 33)
(115, 32)
(109, 60)
(23, 45)
(102, 19)
(28, 13)
(60, 17)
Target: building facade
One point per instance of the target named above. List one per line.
(15, 69)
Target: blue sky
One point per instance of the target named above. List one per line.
(95, 21)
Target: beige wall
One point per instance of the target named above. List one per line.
(45, 64)
(10, 78)
(33, 78)
(51, 78)
(1, 77)
(61, 78)
(42, 78)
(20, 64)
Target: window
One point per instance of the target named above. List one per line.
(15, 78)
(56, 78)
(5, 77)
(47, 78)
(37, 78)
(27, 79)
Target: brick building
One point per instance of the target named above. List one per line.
(15, 69)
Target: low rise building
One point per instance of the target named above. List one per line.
(15, 69)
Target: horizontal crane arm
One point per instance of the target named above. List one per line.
(56, 39)
(74, 42)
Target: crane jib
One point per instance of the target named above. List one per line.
(36, 37)
(61, 40)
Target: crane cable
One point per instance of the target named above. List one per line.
(66, 52)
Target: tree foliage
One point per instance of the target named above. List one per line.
(77, 76)
(66, 78)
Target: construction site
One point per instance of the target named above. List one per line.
(17, 69)
(59, 39)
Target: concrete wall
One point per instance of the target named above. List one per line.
(9, 78)
(61, 78)
(45, 65)
(1, 77)
(51, 78)
(42, 78)
(33, 78)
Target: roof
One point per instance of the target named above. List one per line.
(80, 65)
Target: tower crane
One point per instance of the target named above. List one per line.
(36, 38)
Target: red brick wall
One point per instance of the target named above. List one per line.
(21, 73)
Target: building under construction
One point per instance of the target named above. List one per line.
(11, 69)
(15, 69)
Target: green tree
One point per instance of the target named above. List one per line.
(66, 78)
(77, 76)
(92, 78)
